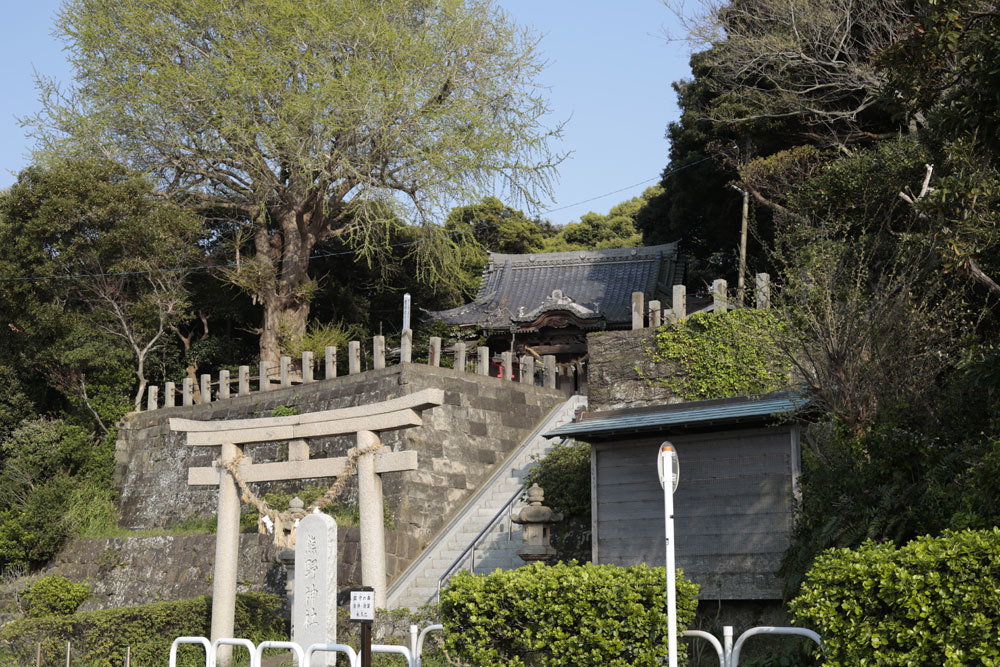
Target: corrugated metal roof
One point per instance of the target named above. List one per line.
(599, 280)
(697, 413)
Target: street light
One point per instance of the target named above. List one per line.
(667, 461)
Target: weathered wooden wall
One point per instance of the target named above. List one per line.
(733, 507)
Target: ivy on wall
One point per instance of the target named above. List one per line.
(722, 354)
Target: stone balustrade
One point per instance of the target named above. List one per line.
(359, 359)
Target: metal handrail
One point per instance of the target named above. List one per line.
(397, 650)
(300, 658)
(352, 656)
(734, 659)
(711, 639)
(450, 570)
(418, 653)
(203, 641)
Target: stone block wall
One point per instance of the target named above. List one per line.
(139, 570)
(622, 373)
(459, 444)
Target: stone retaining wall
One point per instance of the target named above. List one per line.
(139, 570)
(459, 444)
(621, 371)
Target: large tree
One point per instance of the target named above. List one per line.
(303, 120)
(89, 261)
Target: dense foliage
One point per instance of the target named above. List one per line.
(933, 601)
(100, 638)
(564, 614)
(54, 483)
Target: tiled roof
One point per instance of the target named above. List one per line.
(599, 280)
(679, 415)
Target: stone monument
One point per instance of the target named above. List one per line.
(314, 603)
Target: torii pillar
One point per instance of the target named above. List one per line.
(364, 421)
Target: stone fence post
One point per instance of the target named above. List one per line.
(654, 314)
(169, 391)
(763, 290)
(353, 357)
(378, 351)
(244, 380)
(406, 347)
(330, 371)
(434, 352)
(506, 365)
(284, 368)
(637, 310)
(206, 388)
(223, 385)
(307, 366)
(680, 303)
(528, 369)
(719, 294)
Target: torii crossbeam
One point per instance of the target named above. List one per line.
(364, 421)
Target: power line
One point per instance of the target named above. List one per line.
(227, 265)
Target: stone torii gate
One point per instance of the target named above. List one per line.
(365, 421)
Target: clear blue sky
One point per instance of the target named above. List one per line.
(609, 75)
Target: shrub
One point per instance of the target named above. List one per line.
(933, 601)
(100, 638)
(320, 336)
(56, 596)
(564, 614)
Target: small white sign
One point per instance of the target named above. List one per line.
(667, 451)
(362, 605)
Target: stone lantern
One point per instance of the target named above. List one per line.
(536, 519)
(286, 553)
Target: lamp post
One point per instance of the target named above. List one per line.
(668, 465)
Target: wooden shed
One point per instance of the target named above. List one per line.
(739, 464)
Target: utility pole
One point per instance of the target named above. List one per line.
(741, 271)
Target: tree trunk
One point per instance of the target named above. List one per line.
(284, 320)
(283, 295)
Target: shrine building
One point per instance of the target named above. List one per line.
(546, 303)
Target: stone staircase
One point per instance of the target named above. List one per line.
(418, 584)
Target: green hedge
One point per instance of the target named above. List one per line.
(99, 638)
(934, 601)
(564, 614)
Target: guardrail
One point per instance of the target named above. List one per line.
(729, 654)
